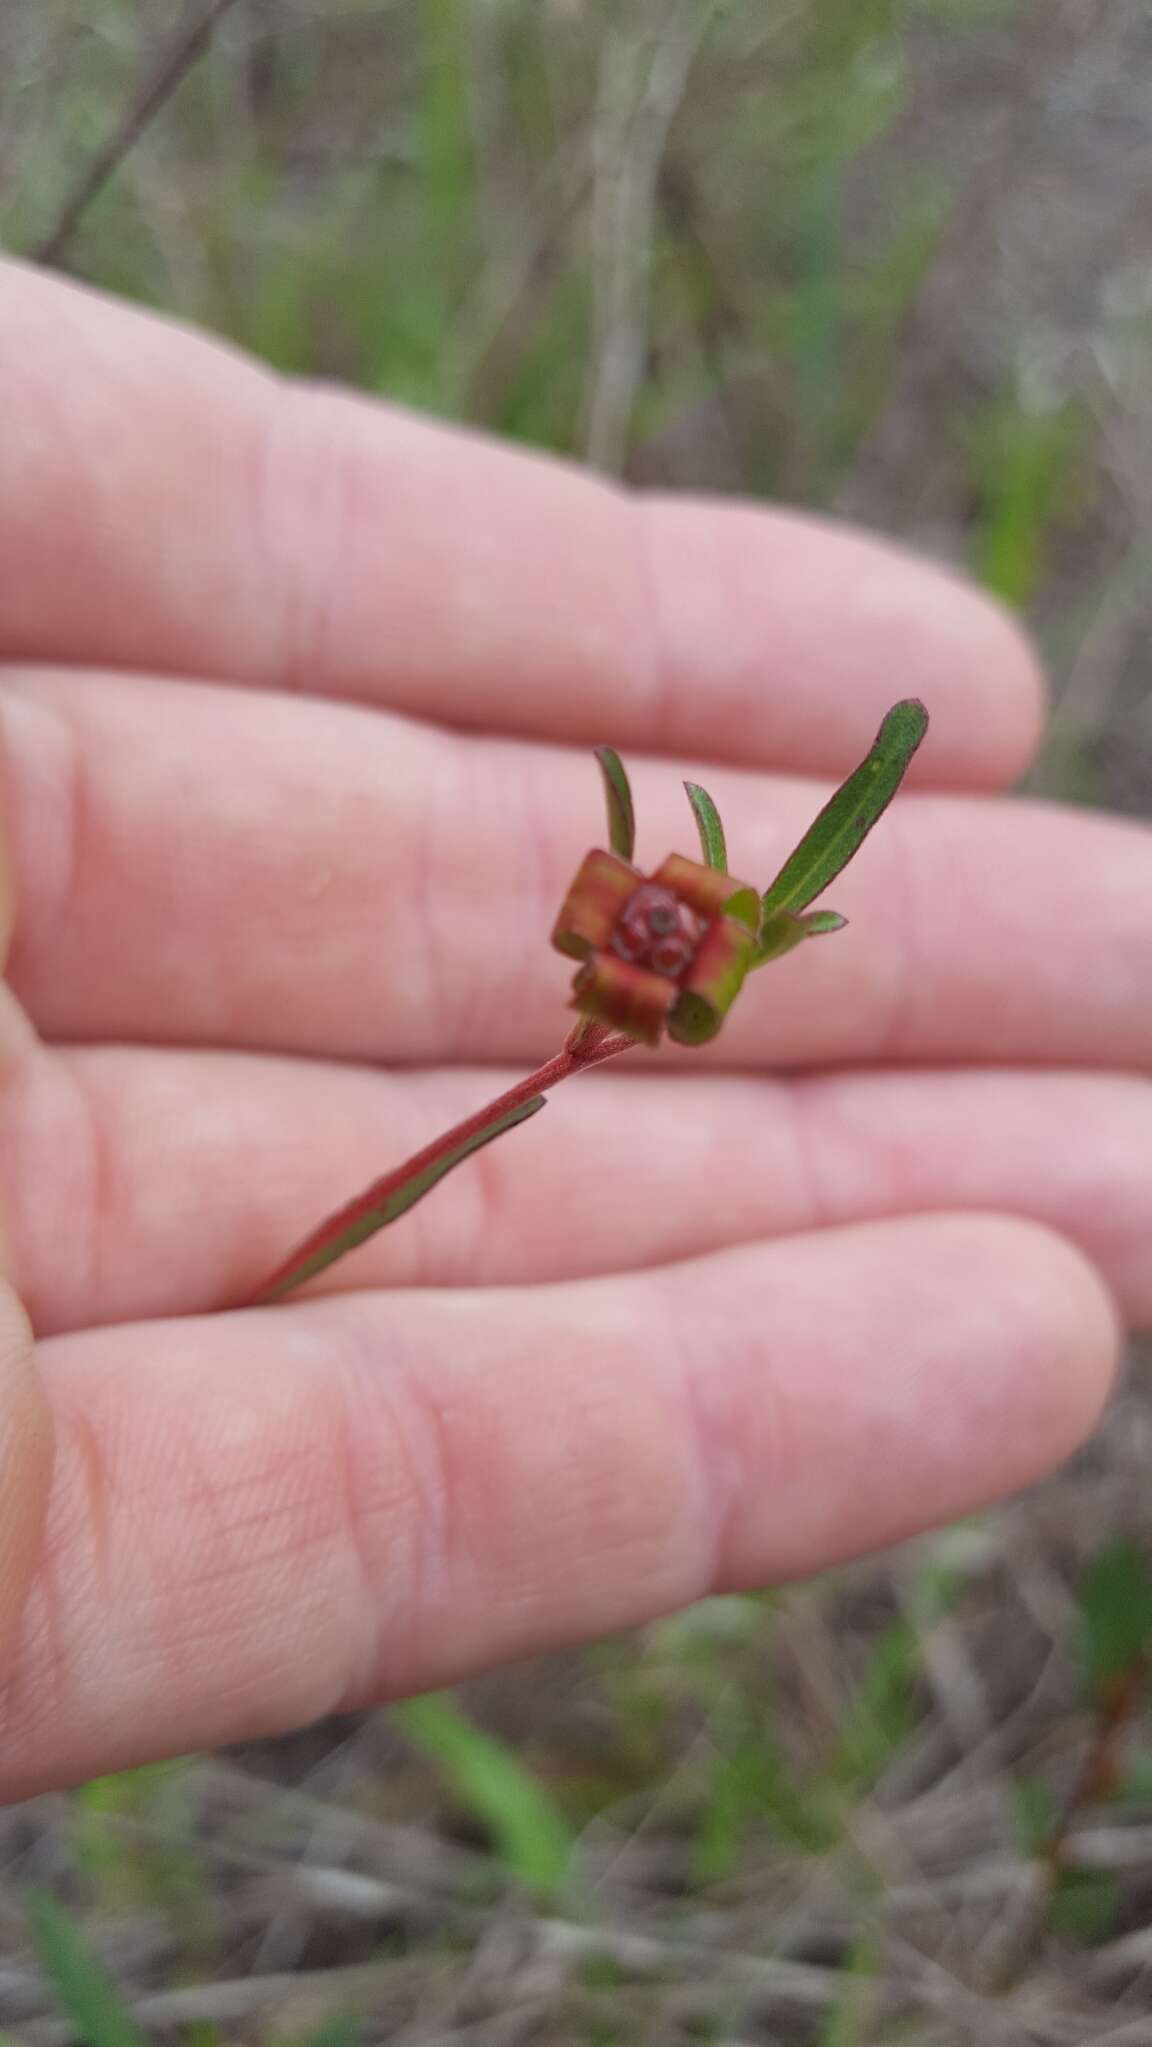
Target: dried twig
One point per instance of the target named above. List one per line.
(235, 2000)
(643, 73)
(174, 63)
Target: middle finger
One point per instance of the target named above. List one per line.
(217, 866)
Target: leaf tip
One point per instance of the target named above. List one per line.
(708, 824)
(618, 796)
(906, 723)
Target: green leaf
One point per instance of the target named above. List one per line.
(783, 931)
(84, 1991)
(709, 827)
(845, 821)
(1115, 1613)
(618, 794)
(818, 923)
(527, 1824)
(383, 1203)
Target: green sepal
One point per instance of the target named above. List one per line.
(745, 907)
(846, 820)
(715, 980)
(692, 1019)
(618, 796)
(782, 931)
(708, 824)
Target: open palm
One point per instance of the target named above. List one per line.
(297, 696)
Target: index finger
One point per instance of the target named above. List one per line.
(167, 505)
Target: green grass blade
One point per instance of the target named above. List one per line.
(880, 1714)
(1025, 468)
(526, 1823)
(851, 2021)
(618, 795)
(709, 827)
(84, 1991)
(845, 821)
(444, 125)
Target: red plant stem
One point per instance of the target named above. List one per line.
(587, 1045)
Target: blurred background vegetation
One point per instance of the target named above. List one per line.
(891, 258)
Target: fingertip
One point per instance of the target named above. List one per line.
(916, 1369)
(799, 631)
(1027, 1350)
(996, 734)
(1069, 1338)
(934, 634)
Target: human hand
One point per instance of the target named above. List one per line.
(297, 695)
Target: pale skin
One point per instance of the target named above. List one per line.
(297, 694)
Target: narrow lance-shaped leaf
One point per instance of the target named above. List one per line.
(709, 827)
(618, 795)
(846, 820)
(382, 1203)
(783, 930)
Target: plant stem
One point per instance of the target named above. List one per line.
(588, 1044)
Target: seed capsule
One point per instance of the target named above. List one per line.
(655, 929)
